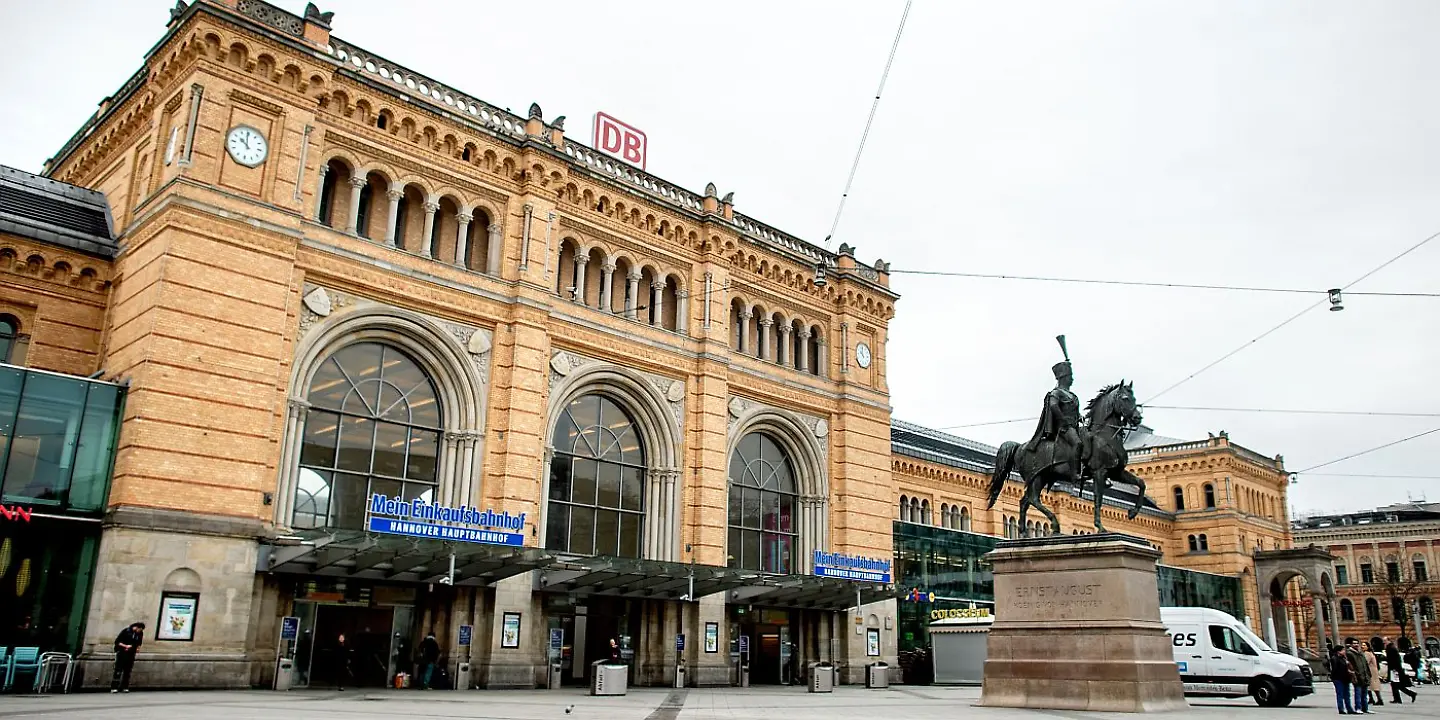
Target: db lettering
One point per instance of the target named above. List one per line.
(620, 140)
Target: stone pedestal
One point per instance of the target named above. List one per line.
(1077, 627)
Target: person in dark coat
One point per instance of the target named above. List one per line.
(1399, 680)
(429, 655)
(1361, 678)
(1342, 676)
(127, 643)
(346, 671)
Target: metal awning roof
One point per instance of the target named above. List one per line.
(373, 556)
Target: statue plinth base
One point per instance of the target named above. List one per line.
(1077, 627)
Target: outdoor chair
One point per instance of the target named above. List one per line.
(25, 659)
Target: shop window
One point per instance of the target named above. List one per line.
(373, 428)
(1209, 496)
(597, 481)
(1347, 611)
(762, 506)
(1372, 610)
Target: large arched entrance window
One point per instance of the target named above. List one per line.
(373, 427)
(763, 503)
(597, 481)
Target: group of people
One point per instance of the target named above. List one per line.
(1360, 672)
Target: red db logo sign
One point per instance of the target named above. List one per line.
(620, 140)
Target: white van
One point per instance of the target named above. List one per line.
(1219, 657)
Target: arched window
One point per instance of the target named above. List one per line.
(373, 428)
(965, 519)
(1204, 543)
(1209, 496)
(925, 512)
(944, 515)
(597, 481)
(904, 509)
(12, 344)
(914, 510)
(1367, 571)
(1417, 567)
(763, 503)
(1347, 611)
(1342, 575)
(1372, 610)
(1427, 608)
(1179, 498)
(1194, 545)
(1397, 610)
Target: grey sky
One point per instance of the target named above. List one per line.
(1278, 143)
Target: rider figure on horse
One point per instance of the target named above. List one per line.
(1060, 424)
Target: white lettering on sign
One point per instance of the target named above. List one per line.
(617, 139)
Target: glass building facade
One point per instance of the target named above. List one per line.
(938, 570)
(57, 450)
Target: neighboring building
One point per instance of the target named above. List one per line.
(1384, 563)
(57, 427)
(347, 292)
(1217, 503)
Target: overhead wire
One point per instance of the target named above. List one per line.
(1142, 283)
(1201, 408)
(874, 106)
(1367, 451)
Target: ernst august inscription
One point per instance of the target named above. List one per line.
(1057, 600)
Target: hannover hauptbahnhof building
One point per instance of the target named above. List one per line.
(302, 343)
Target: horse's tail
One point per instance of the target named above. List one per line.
(1004, 463)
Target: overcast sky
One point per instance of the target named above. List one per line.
(1284, 143)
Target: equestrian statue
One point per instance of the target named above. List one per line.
(1065, 448)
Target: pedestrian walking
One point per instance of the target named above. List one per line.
(1399, 679)
(344, 670)
(127, 643)
(1361, 669)
(429, 655)
(1341, 675)
(1376, 667)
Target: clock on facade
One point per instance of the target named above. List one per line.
(862, 355)
(247, 145)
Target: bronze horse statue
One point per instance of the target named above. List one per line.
(1102, 458)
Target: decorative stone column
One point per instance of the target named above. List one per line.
(744, 344)
(320, 193)
(631, 290)
(607, 286)
(462, 238)
(428, 235)
(804, 349)
(682, 311)
(657, 303)
(352, 224)
(580, 262)
(493, 253)
(393, 216)
(822, 357)
(290, 460)
(764, 343)
(1334, 619)
(1316, 605)
(784, 355)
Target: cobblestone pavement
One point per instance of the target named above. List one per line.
(897, 703)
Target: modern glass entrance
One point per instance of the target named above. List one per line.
(773, 655)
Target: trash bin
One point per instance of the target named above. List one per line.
(556, 670)
(744, 674)
(462, 677)
(609, 679)
(822, 677)
(877, 675)
(285, 674)
(680, 673)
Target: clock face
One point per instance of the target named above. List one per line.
(862, 355)
(247, 145)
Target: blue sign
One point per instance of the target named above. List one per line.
(850, 567)
(680, 642)
(417, 518)
(1184, 666)
(557, 639)
(744, 644)
(289, 628)
(466, 632)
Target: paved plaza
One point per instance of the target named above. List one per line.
(896, 703)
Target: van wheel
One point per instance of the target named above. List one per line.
(1268, 693)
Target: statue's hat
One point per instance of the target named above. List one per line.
(1060, 369)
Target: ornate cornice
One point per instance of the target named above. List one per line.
(241, 96)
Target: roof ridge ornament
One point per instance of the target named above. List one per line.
(535, 113)
(180, 7)
(313, 14)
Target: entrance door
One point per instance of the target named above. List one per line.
(367, 634)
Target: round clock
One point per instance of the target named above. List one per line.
(246, 145)
(862, 355)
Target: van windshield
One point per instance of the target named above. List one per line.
(1257, 643)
